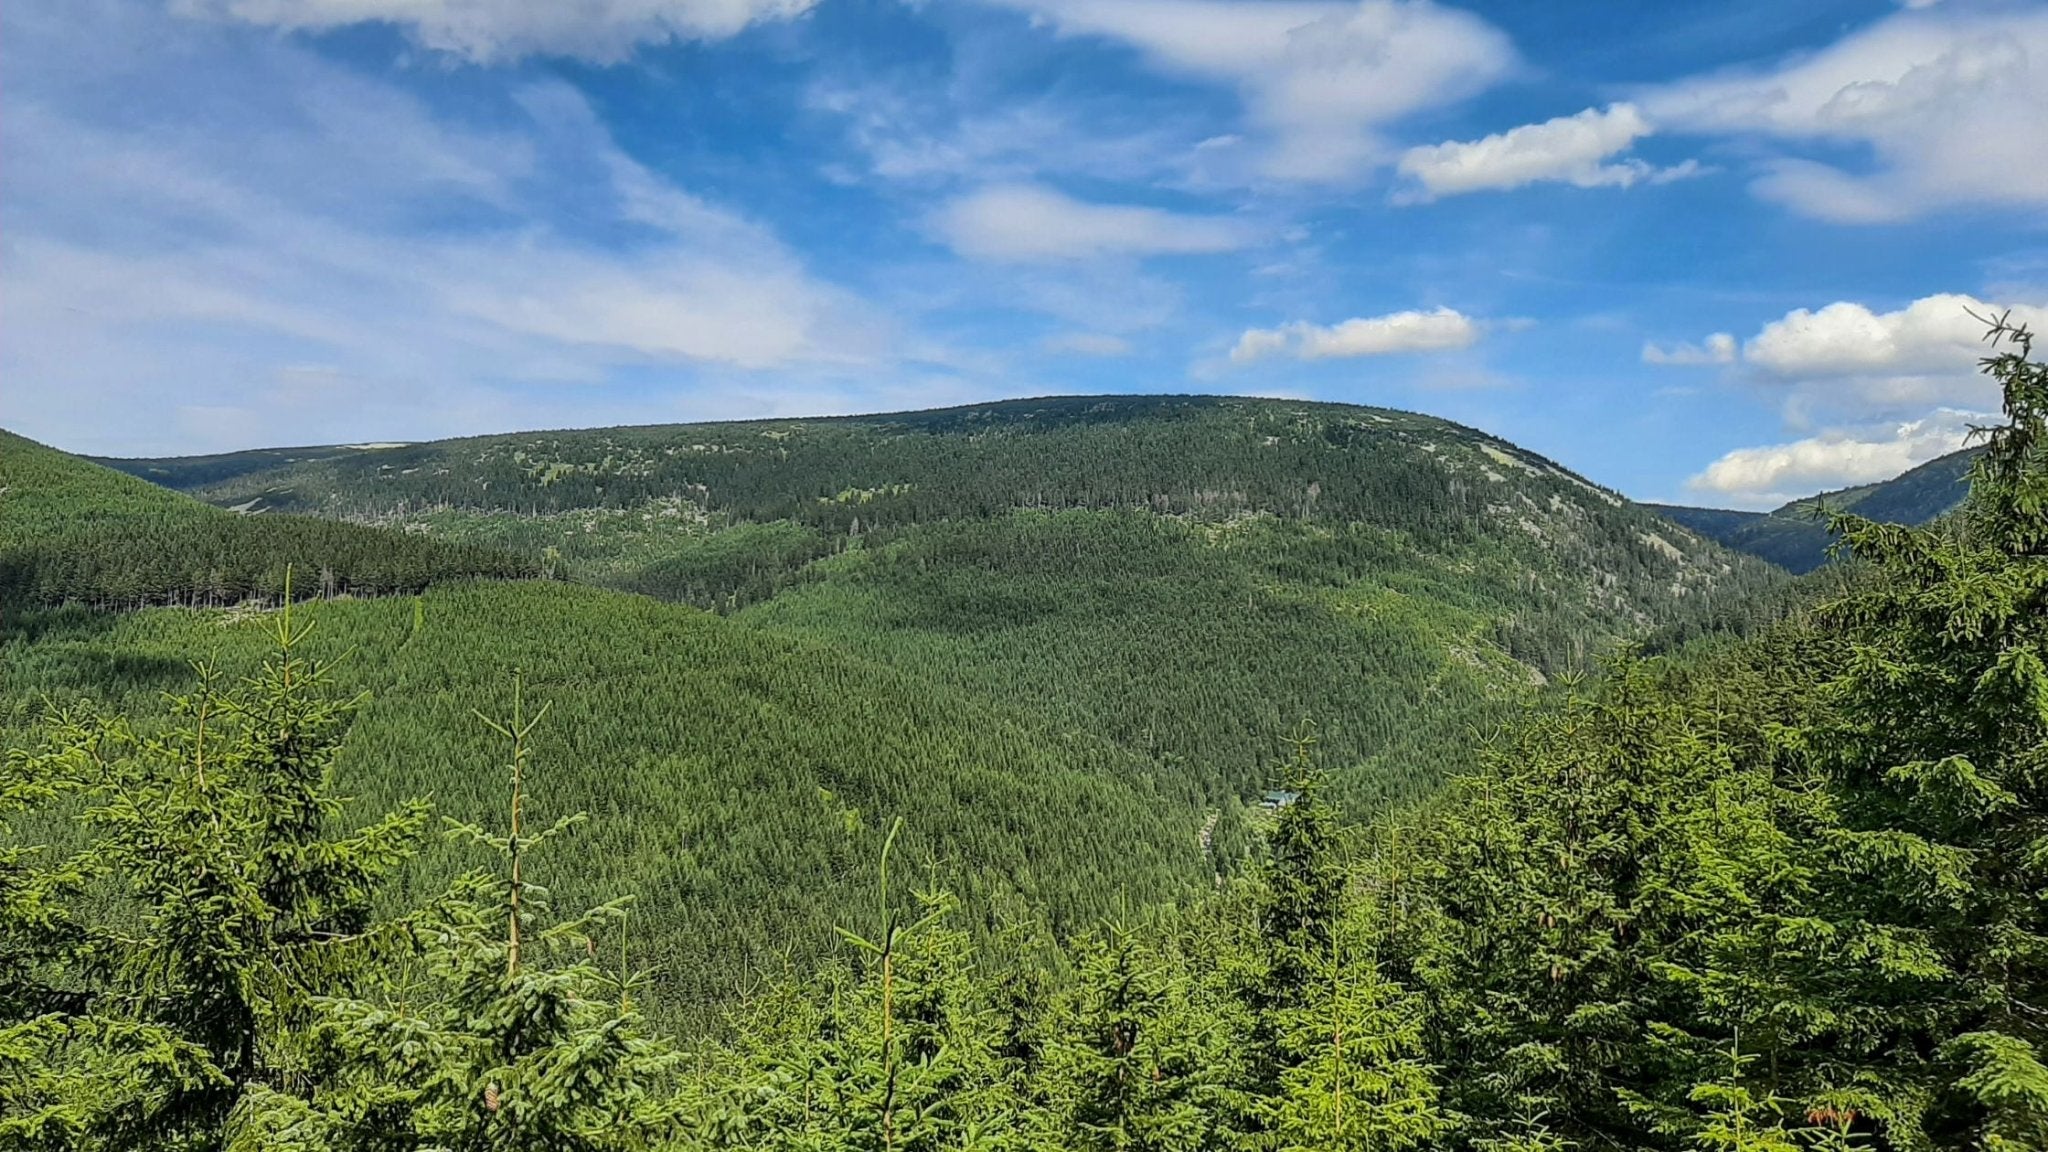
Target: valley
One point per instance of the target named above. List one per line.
(1111, 611)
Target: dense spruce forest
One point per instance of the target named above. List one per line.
(1075, 701)
(1184, 576)
(72, 534)
(1768, 891)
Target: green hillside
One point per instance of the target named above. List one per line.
(1795, 537)
(1185, 576)
(1776, 895)
(1065, 640)
(73, 531)
(738, 780)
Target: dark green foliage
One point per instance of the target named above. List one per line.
(233, 900)
(72, 532)
(1060, 701)
(1134, 1062)
(721, 765)
(1778, 895)
(509, 1038)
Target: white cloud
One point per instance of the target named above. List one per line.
(1026, 223)
(1848, 362)
(274, 278)
(1568, 149)
(1087, 344)
(1888, 391)
(495, 31)
(1932, 334)
(1321, 78)
(922, 133)
(1950, 104)
(1718, 348)
(1771, 475)
(1434, 331)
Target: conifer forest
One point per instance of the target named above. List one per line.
(1132, 774)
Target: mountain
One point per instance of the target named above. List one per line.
(74, 531)
(1066, 640)
(1795, 537)
(1190, 576)
(187, 472)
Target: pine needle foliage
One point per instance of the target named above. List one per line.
(1786, 895)
(499, 1031)
(235, 901)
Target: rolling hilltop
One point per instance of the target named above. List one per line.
(1187, 576)
(1064, 639)
(73, 532)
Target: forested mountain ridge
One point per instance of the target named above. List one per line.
(1132, 600)
(1795, 536)
(648, 507)
(184, 473)
(1121, 606)
(1187, 576)
(75, 532)
(1779, 895)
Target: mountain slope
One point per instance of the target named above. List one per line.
(1795, 536)
(72, 530)
(1060, 638)
(1189, 577)
(739, 781)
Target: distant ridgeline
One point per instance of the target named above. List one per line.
(1063, 638)
(1187, 575)
(72, 531)
(1781, 894)
(1795, 536)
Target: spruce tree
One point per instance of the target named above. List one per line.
(1135, 1064)
(502, 1032)
(1935, 742)
(217, 833)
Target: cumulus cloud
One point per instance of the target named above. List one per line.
(1774, 474)
(1887, 391)
(1027, 223)
(1412, 331)
(1574, 150)
(1951, 103)
(1321, 78)
(1932, 334)
(1847, 361)
(495, 31)
(1718, 348)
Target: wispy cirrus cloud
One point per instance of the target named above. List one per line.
(1583, 150)
(1322, 81)
(497, 31)
(298, 272)
(1718, 348)
(1029, 223)
(1950, 104)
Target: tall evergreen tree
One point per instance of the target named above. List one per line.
(217, 831)
(508, 1036)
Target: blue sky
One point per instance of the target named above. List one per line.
(1711, 252)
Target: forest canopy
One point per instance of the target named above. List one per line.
(1780, 894)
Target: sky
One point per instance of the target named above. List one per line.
(1717, 252)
